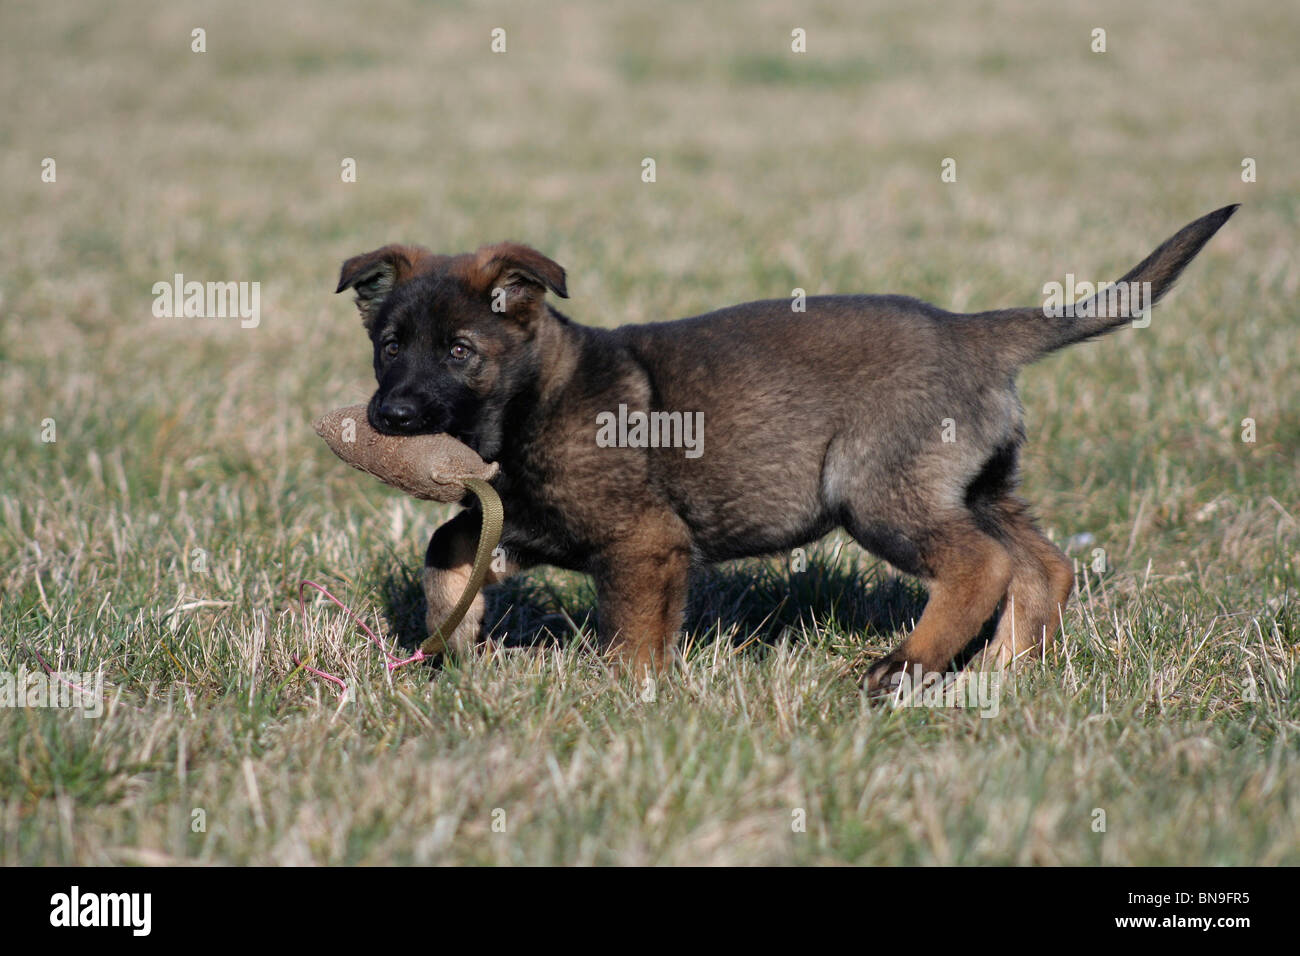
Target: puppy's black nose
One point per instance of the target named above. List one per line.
(397, 414)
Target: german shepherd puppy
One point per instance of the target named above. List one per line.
(636, 452)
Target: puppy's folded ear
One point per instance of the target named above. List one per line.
(373, 275)
(520, 273)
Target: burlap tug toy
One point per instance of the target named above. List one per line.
(429, 467)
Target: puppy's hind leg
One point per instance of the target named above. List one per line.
(1042, 578)
(967, 573)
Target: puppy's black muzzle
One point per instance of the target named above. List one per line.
(398, 414)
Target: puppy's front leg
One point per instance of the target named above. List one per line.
(641, 585)
(447, 567)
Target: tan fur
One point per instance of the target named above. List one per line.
(1042, 578)
(971, 574)
(447, 568)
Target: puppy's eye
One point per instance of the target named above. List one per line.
(391, 349)
(460, 352)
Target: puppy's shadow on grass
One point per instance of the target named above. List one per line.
(759, 600)
(845, 595)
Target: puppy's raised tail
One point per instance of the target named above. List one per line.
(1023, 335)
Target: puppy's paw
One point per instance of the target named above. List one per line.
(896, 677)
(465, 639)
(884, 677)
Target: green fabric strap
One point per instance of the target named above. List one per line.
(489, 535)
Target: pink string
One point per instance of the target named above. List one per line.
(394, 661)
(66, 683)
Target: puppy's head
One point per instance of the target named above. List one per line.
(452, 335)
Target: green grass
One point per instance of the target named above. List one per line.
(1171, 701)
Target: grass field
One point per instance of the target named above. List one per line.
(162, 534)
